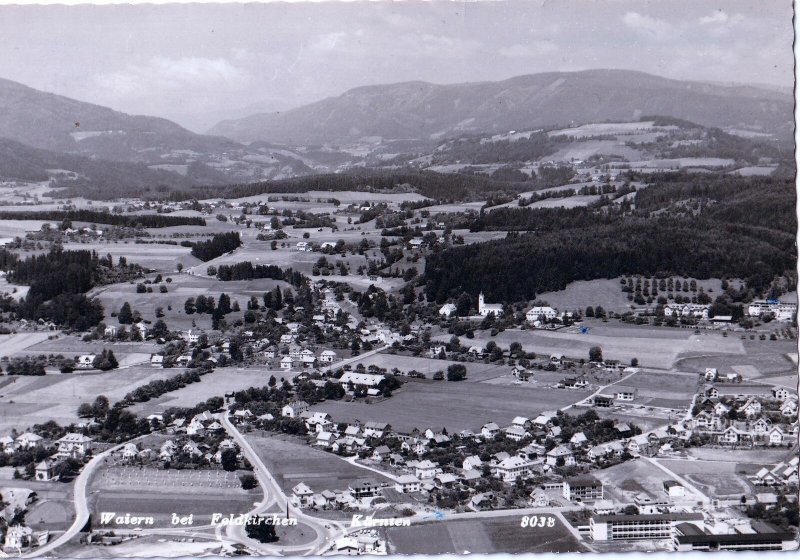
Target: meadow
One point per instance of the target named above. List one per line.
(481, 536)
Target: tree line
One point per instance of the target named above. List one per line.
(97, 217)
(444, 186)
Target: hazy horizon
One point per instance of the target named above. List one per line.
(199, 64)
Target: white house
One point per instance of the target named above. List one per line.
(327, 357)
(294, 409)
(447, 309)
(73, 445)
(509, 470)
(426, 469)
(86, 361)
(516, 433)
(490, 430)
(537, 312)
(286, 362)
(780, 393)
(28, 440)
(687, 310)
(302, 494)
(407, 483)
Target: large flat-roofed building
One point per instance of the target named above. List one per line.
(583, 488)
(689, 537)
(635, 527)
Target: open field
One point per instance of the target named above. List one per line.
(11, 344)
(476, 371)
(759, 456)
(454, 405)
(568, 202)
(291, 461)
(481, 536)
(53, 509)
(151, 255)
(9, 229)
(194, 545)
(577, 295)
(32, 400)
(664, 389)
(604, 292)
(653, 347)
(213, 384)
(604, 129)
(754, 170)
(182, 287)
(760, 359)
(161, 505)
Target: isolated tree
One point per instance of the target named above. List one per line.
(224, 305)
(85, 410)
(248, 481)
(100, 406)
(160, 329)
(260, 529)
(189, 306)
(228, 460)
(595, 354)
(125, 315)
(456, 372)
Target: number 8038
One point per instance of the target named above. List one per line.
(538, 521)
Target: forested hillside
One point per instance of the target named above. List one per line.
(683, 225)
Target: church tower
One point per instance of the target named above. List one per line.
(480, 302)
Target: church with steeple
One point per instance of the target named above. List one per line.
(485, 309)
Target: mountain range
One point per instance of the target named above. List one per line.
(424, 111)
(44, 134)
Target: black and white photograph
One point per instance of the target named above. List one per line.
(398, 277)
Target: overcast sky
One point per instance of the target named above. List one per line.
(201, 63)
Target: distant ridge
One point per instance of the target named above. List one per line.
(421, 110)
(53, 122)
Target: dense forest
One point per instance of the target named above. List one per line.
(767, 202)
(480, 150)
(97, 217)
(218, 245)
(700, 225)
(521, 266)
(540, 219)
(58, 281)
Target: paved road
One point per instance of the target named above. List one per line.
(593, 395)
(342, 363)
(274, 496)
